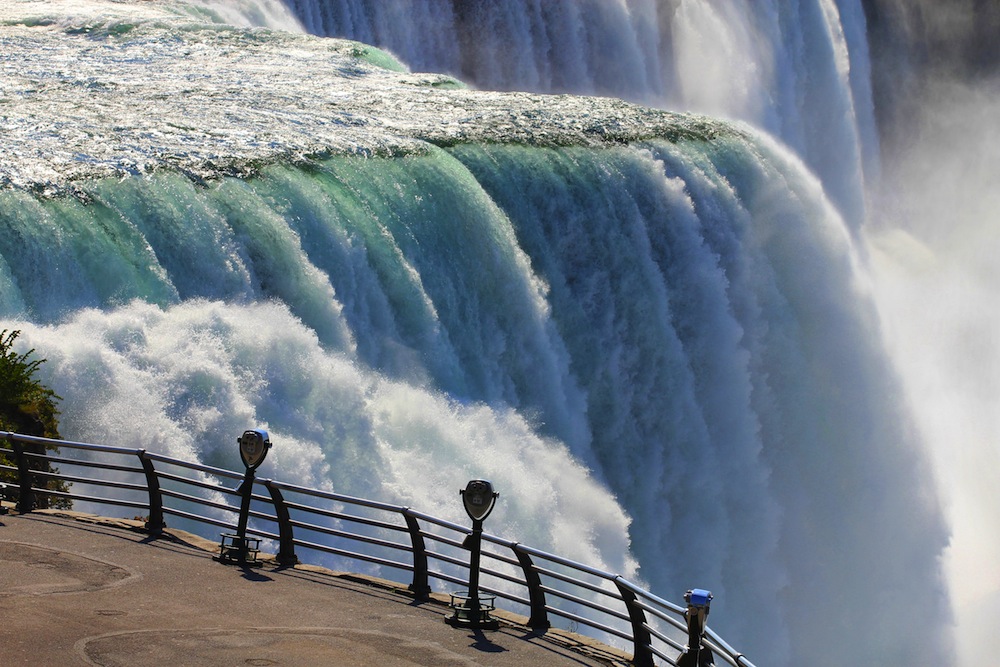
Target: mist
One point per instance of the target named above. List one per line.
(933, 236)
(934, 260)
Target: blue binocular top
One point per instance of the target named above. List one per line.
(698, 597)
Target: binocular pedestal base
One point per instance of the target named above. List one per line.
(237, 550)
(465, 614)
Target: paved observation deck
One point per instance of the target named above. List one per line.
(83, 590)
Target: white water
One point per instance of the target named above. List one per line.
(671, 341)
(181, 381)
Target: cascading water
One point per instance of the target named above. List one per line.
(654, 325)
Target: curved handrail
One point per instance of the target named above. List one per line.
(554, 585)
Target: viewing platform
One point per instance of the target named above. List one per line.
(121, 592)
(77, 589)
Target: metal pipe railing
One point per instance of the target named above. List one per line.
(584, 595)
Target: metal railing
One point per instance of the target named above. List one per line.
(295, 519)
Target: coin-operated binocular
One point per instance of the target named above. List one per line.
(470, 610)
(254, 444)
(696, 654)
(237, 548)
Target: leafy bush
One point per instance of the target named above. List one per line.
(28, 407)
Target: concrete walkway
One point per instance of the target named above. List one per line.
(82, 590)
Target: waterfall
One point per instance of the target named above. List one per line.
(659, 326)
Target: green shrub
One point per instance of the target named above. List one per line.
(27, 407)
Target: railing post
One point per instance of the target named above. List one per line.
(642, 655)
(25, 496)
(3, 487)
(539, 619)
(154, 523)
(420, 586)
(286, 539)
